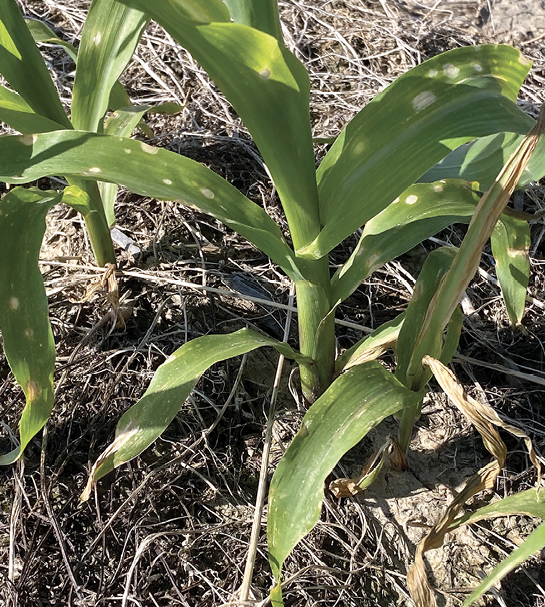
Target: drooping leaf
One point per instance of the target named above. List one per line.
(110, 35)
(42, 33)
(173, 381)
(528, 503)
(23, 67)
(269, 89)
(482, 159)
(510, 241)
(455, 97)
(148, 171)
(16, 112)
(532, 544)
(354, 403)
(371, 346)
(24, 321)
(420, 212)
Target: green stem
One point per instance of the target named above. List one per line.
(316, 328)
(96, 224)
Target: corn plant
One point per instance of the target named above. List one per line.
(413, 161)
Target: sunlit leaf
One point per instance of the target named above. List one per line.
(110, 35)
(16, 112)
(269, 89)
(356, 402)
(24, 321)
(529, 503)
(421, 211)
(173, 381)
(260, 14)
(148, 171)
(23, 67)
(533, 543)
(455, 97)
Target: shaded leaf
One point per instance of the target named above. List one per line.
(434, 269)
(42, 33)
(173, 381)
(148, 171)
(24, 321)
(354, 403)
(371, 346)
(482, 159)
(455, 97)
(510, 241)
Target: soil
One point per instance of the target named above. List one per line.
(172, 527)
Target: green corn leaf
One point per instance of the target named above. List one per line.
(23, 67)
(260, 14)
(269, 89)
(435, 267)
(510, 241)
(42, 33)
(24, 321)
(173, 381)
(452, 338)
(16, 112)
(420, 212)
(526, 503)
(482, 159)
(120, 124)
(533, 543)
(371, 346)
(148, 171)
(455, 97)
(355, 403)
(110, 35)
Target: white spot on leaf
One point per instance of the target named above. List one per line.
(437, 187)
(94, 170)
(32, 389)
(29, 332)
(127, 151)
(14, 303)
(422, 100)
(432, 73)
(477, 67)
(97, 38)
(396, 200)
(148, 148)
(450, 71)
(411, 199)
(167, 181)
(208, 193)
(358, 148)
(265, 73)
(27, 139)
